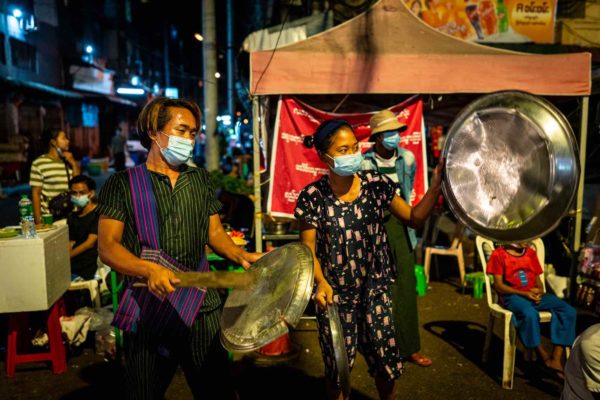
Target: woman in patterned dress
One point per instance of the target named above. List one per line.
(341, 220)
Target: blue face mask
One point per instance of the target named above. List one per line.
(80, 201)
(178, 150)
(347, 165)
(391, 140)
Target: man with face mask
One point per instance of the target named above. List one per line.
(156, 218)
(398, 164)
(83, 228)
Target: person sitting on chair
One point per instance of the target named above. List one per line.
(517, 272)
(83, 228)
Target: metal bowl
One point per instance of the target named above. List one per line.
(511, 166)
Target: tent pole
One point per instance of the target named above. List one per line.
(579, 205)
(582, 153)
(256, 174)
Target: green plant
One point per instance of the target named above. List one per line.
(230, 183)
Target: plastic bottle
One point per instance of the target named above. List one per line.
(26, 217)
(502, 16)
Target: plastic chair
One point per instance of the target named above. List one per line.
(485, 247)
(454, 250)
(93, 286)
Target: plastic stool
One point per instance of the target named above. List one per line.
(114, 293)
(17, 325)
(421, 280)
(478, 281)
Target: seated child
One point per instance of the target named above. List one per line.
(517, 272)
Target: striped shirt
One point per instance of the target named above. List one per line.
(387, 167)
(183, 215)
(49, 174)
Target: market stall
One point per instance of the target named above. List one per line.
(389, 50)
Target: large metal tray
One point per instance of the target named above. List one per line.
(511, 166)
(255, 316)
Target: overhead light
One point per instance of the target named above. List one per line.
(17, 13)
(131, 91)
(198, 37)
(225, 119)
(217, 75)
(135, 80)
(172, 92)
(89, 49)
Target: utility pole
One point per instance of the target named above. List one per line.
(209, 58)
(230, 69)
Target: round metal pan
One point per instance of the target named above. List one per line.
(255, 316)
(339, 349)
(511, 166)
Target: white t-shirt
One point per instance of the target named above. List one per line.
(582, 372)
(388, 168)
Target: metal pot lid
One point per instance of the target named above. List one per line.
(339, 349)
(511, 166)
(257, 315)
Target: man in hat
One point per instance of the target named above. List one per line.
(398, 164)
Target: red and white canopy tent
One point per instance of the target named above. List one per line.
(389, 50)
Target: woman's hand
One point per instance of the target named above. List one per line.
(324, 294)
(436, 176)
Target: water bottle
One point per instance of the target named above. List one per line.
(26, 216)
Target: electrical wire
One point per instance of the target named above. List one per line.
(287, 14)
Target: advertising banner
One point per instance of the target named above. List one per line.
(294, 166)
(502, 21)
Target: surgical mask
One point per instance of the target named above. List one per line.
(347, 165)
(80, 201)
(391, 140)
(178, 150)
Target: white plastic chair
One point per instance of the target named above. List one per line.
(94, 286)
(455, 250)
(485, 247)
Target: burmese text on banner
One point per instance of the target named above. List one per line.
(294, 166)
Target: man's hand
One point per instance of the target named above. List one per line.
(247, 259)
(324, 294)
(161, 280)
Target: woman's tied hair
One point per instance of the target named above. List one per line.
(155, 115)
(324, 135)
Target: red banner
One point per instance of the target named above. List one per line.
(293, 166)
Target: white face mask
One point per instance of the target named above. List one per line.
(178, 150)
(80, 201)
(346, 165)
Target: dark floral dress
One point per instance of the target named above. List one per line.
(352, 247)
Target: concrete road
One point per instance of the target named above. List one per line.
(453, 329)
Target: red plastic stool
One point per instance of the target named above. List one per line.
(278, 347)
(17, 325)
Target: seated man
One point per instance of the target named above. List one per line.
(83, 228)
(517, 272)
